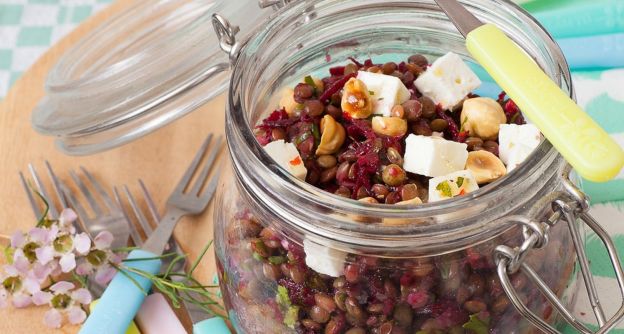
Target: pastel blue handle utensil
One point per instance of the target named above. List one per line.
(214, 325)
(600, 51)
(122, 299)
(579, 18)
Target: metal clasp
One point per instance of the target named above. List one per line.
(226, 33)
(569, 206)
(273, 3)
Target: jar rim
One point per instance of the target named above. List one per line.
(538, 162)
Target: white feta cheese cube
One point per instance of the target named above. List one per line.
(324, 260)
(448, 81)
(451, 185)
(387, 91)
(516, 142)
(287, 156)
(433, 156)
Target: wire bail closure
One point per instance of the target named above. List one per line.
(226, 32)
(273, 3)
(569, 206)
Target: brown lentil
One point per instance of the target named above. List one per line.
(343, 192)
(422, 128)
(473, 142)
(356, 330)
(350, 69)
(419, 60)
(324, 301)
(314, 108)
(412, 109)
(393, 197)
(374, 69)
(379, 191)
(326, 161)
(428, 107)
(271, 271)
(394, 156)
(475, 306)
(310, 324)
(334, 111)
(414, 69)
(439, 125)
(397, 111)
(278, 134)
(303, 92)
(491, 146)
(389, 68)
(393, 175)
(328, 174)
(319, 314)
(409, 191)
(343, 171)
(408, 78)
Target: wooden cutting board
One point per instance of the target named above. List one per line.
(159, 159)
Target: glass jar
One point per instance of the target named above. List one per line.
(295, 259)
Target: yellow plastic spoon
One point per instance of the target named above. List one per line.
(583, 143)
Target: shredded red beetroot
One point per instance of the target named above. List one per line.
(357, 63)
(453, 129)
(365, 166)
(336, 87)
(337, 71)
(359, 129)
(277, 119)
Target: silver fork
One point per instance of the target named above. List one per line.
(141, 218)
(126, 292)
(200, 318)
(113, 216)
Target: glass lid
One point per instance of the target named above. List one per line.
(140, 70)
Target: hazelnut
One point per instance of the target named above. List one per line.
(332, 136)
(482, 117)
(413, 201)
(389, 126)
(356, 99)
(485, 166)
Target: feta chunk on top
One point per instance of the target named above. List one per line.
(448, 81)
(451, 185)
(324, 260)
(387, 91)
(433, 156)
(287, 156)
(516, 143)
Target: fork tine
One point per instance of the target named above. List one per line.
(33, 203)
(56, 185)
(137, 212)
(98, 187)
(42, 190)
(87, 193)
(210, 189)
(204, 173)
(191, 170)
(150, 202)
(80, 211)
(134, 233)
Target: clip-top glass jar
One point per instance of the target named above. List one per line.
(481, 263)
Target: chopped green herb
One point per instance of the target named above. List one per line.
(291, 316)
(476, 325)
(308, 80)
(513, 118)
(300, 139)
(460, 181)
(282, 298)
(257, 256)
(445, 189)
(371, 92)
(317, 134)
(300, 106)
(380, 99)
(277, 259)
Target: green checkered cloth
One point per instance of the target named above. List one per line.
(29, 27)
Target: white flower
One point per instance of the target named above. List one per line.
(64, 301)
(99, 258)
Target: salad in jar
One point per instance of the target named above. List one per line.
(399, 133)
